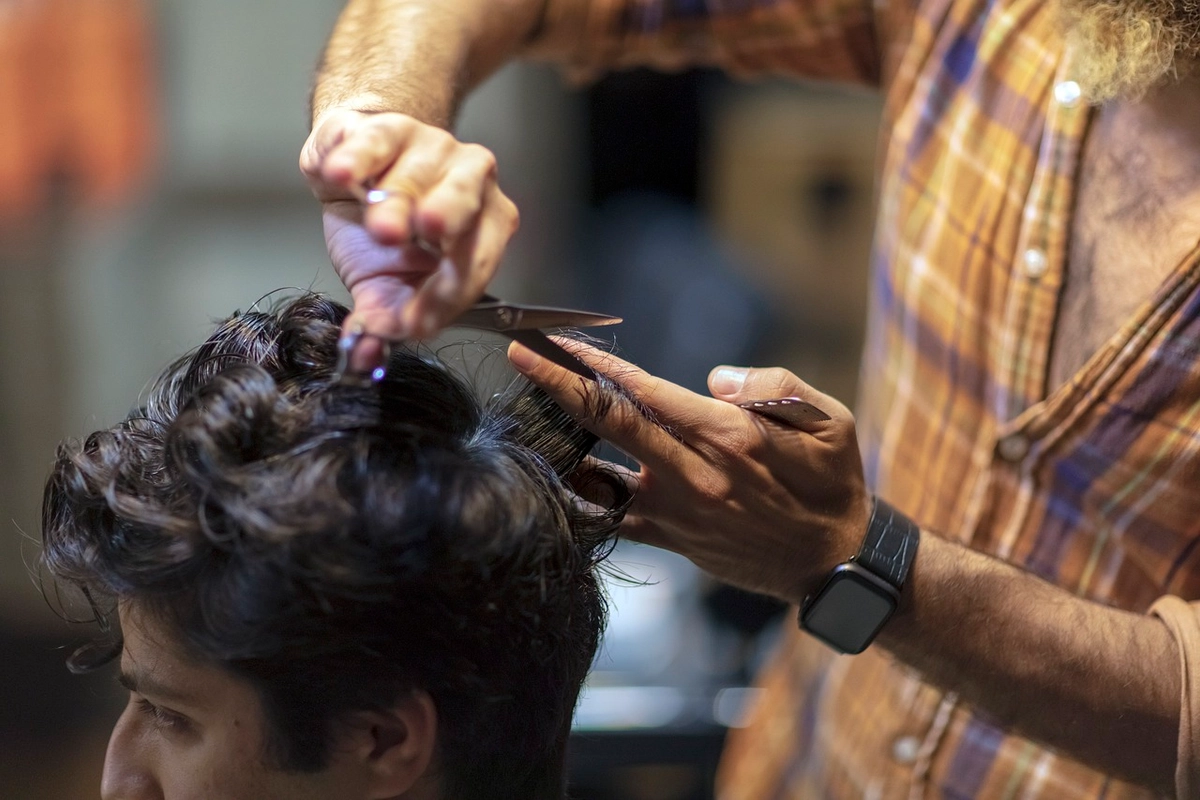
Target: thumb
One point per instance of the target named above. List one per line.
(742, 384)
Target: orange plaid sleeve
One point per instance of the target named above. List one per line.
(79, 98)
(835, 40)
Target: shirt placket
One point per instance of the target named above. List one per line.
(1030, 314)
(1026, 330)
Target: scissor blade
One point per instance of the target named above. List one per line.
(494, 314)
(550, 317)
(541, 344)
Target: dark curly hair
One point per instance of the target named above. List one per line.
(338, 546)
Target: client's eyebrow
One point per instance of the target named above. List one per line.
(148, 686)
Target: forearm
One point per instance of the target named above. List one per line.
(1095, 682)
(419, 57)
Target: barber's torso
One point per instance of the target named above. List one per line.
(1030, 387)
(1137, 216)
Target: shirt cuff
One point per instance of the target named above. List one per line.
(1183, 621)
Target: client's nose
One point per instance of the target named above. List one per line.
(127, 774)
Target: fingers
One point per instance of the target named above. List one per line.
(441, 228)
(599, 494)
(390, 221)
(332, 157)
(639, 528)
(612, 417)
(742, 385)
(378, 308)
(465, 272)
(436, 186)
(325, 134)
(367, 147)
(405, 175)
(684, 412)
(603, 483)
(450, 208)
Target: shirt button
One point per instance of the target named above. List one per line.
(1035, 263)
(1068, 94)
(1013, 448)
(905, 749)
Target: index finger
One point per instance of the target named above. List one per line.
(328, 133)
(657, 439)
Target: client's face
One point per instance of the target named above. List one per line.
(196, 732)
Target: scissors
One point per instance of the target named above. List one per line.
(518, 321)
(522, 323)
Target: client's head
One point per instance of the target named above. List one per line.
(328, 591)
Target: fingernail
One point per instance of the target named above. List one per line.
(728, 380)
(524, 359)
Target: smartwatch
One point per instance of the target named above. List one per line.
(859, 596)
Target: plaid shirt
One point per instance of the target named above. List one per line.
(1092, 485)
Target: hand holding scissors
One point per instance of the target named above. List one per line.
(518, 321)
(414, 220)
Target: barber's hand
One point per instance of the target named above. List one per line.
(445, 195)
(759, 504)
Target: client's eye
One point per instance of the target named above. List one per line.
(162, 718)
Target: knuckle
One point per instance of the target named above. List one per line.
(715, 490)
(743, 442)
(778, 378)
(466, 188)
(846, 422)
(389, 121)
(486, 268)
(616, 413)
(484, 158)
(420, 166)
(441, 142)
(756, 453)
(620, 424)
(370, 140)
(398, 120)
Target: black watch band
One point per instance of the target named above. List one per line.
(890, 545)
(860, 596)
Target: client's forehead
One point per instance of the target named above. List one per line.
(156, 666)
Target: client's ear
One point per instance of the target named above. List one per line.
(396, 748)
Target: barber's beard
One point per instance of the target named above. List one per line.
(1125, 48)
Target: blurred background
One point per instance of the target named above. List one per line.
(148, 186)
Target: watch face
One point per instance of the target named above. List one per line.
(849, 610)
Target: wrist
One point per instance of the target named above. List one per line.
(359, 103)
(844, 541)
(858, 596)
